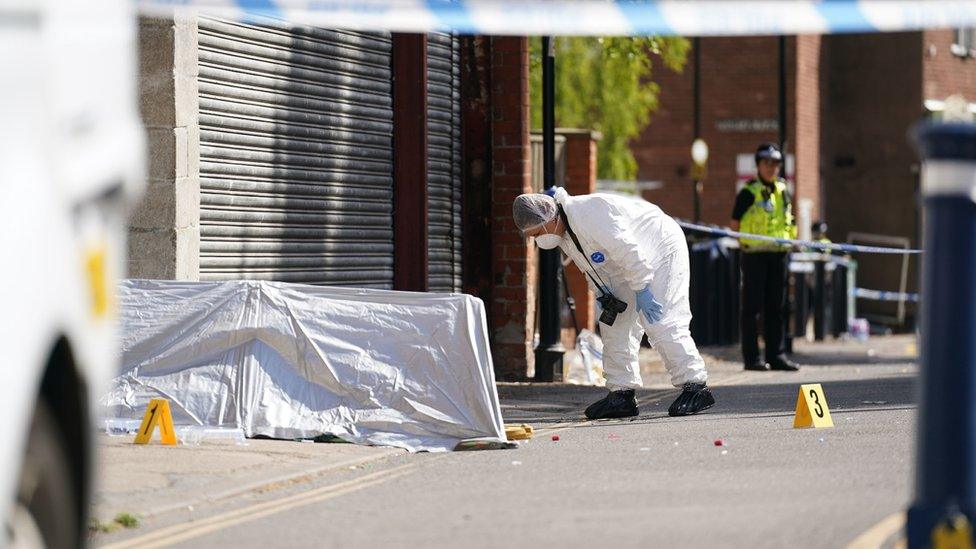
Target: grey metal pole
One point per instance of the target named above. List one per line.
(549, 352)
(944, 505)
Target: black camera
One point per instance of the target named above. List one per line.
(611, 308)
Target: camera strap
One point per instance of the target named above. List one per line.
(572, 235)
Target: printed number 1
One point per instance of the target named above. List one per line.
(816, 400)
(149, 424)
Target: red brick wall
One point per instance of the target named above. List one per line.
(739, 79)
(663, 150)
(805, 134)
(581, 155)
(512, 309)
(945, 74)
(872, 98)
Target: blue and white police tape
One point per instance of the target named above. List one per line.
(593, 17)
(878, 295)
(804, 243)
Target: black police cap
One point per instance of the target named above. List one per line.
(769, 151)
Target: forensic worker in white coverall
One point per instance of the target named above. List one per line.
(636, 259)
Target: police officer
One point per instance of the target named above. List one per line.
(764, 207)
(819, 232)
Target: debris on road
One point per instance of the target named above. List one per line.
(555, 438)
(519, 432)
(720, 442)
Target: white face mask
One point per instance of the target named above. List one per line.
(548, 241)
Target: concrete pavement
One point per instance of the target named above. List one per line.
(153, 480)
(655, 480)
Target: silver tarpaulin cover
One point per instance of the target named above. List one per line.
(404, 369)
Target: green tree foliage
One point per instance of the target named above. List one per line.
(605, 84)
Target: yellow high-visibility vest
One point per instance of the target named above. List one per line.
(768, 216)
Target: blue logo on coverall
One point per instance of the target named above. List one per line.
(598, 257)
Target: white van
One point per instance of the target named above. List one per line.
(71, 161)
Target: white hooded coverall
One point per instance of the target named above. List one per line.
(631, 243)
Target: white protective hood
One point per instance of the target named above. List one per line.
(404, 369)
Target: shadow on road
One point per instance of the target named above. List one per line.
(547, 404)
(854, 359)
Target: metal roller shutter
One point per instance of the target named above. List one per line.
(296, 159)
(444, 162)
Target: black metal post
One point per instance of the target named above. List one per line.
(839, 299)
(782, 147)
(819, 299)
(801, 301)
(549, 353)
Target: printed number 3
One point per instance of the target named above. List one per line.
(816, 400)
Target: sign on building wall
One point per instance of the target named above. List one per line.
(747, 125)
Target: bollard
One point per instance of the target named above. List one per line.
(801, 304)
(945, 460)
(838, 295)
(819, 301)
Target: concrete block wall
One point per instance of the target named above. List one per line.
(164, 231)
(514, 265)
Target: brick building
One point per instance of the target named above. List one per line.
(850, 102)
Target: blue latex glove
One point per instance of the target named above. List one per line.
(652, 309)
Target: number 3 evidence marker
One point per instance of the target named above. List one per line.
(811, 408)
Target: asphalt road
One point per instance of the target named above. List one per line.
(653, 481)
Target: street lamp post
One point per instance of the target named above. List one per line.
(699, 158)
(549, 352)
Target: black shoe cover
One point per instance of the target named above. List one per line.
(615, 404)
(783, 364)
(694, 398)
(756, 366)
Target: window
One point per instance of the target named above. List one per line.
(964, 44)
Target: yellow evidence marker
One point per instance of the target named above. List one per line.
(157, 413)
(811, 408)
